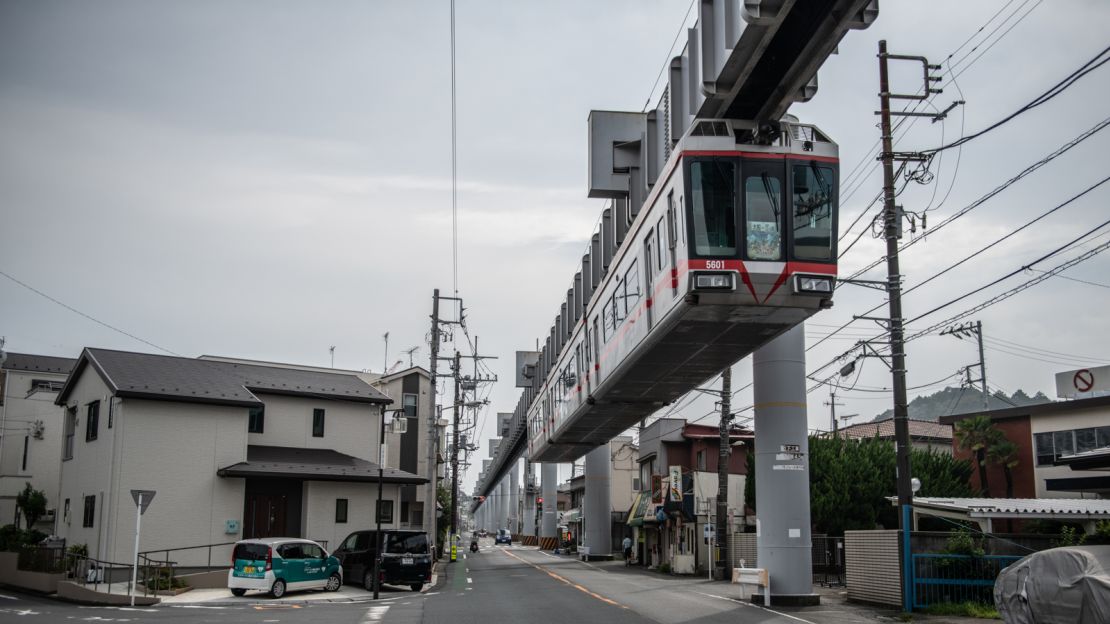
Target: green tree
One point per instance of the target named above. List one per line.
(1004, 453)
(32, 504)
(976, 434)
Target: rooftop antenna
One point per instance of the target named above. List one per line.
(385, 356)
(409, 352)
(331, 350)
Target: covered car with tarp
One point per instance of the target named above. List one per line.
(1056, 586)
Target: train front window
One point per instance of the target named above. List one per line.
(813, 191)
(763, 215)
(713, 207)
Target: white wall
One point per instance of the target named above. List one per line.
(20, 411)
(319, 507)
(625, 468)
(1080, 419)
(349, 428)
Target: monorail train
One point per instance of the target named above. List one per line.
(735, 244)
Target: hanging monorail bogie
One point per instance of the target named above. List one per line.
(735, 244)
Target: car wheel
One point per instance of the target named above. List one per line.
(238, 592)
(277, 590)
(334, 583)
(417, 587)
(368, 581)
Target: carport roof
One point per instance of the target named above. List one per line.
(312, 464)
(1026, 508)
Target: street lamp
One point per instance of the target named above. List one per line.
(378, 507)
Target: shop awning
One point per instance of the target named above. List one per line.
(640, 508)
(572, 516)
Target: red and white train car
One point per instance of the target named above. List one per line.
(735, 244)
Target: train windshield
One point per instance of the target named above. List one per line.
(713, 200)
(763, 214)
(813, 191)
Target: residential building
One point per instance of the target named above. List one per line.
(30, 431)
(925, 435)
(232, 450)
(1047, 435)
(674, 532)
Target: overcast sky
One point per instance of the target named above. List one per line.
(265, 180)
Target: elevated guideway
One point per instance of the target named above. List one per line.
(743, 65)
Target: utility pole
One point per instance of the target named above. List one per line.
(722, 472)
(966, 329)
(431, 498)
(892, 231)
(455, 451)
(832, 409)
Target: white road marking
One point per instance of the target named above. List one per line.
(469, 580)
(8, 597)
(19, 611)
(755, 606)
(374, 614)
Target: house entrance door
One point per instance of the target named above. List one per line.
(265, 516)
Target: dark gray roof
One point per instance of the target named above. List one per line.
(312, 464)
(39, 363)
(164, 377)
(1037, 409)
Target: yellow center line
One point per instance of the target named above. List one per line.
(559, 578)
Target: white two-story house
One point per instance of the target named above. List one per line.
(232, 450)
(30, 431)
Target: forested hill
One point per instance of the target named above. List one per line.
(962, 400)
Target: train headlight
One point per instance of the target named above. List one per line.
(813, 285)
(713, 281)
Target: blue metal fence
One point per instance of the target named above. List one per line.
(938, 578)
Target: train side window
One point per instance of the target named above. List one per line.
(813, 188)
(609, 321)
(763, 214)
(672, 231)
(631, 288)
(660, 254)
(597, 348)
(713, 207)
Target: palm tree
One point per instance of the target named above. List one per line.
(977, 434)
(1004, 453)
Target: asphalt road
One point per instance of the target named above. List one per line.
(496, 585)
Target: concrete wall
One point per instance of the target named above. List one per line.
(22, 408)
(1080, 419)
(871, 567)
(625, 469)
(10, 574)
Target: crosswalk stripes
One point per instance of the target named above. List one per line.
(375, 614)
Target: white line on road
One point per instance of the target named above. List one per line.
(374, 614)
(748, 604)
(8, 597)
(469, 580)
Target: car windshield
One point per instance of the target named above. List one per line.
(251, 552)
(503, 532)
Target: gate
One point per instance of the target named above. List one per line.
(946, 578)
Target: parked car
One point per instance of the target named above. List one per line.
(406, 559)
(503, 537)
(280, 564)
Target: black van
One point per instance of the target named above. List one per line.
(407, 560)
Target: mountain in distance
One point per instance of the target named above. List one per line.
(962, 401)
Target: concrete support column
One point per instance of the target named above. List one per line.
(782, 469)
(514, 499)
(503, 504)
(529, 528)
(549, 523)
(597, 506)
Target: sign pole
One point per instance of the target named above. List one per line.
(135, 567)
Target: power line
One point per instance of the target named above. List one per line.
(1076, 279)
(91, 318)
(1043, 98)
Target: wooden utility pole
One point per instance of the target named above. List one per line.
(722, 474)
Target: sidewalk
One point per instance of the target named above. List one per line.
(834, 608)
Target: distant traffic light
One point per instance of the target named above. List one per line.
(539, 500)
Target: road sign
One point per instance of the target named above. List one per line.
(1083, 382)
(142, 498)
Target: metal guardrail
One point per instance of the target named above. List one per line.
(99, 575)
(163, 554)
(948, 578)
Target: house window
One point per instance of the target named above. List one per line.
(70, 427)
(46, 385)
(65, 511)
(701, 460)
(404, 511)
(92, 421)
(26, 443)
(90, 511)
(408, 402)
(385, 511)
(318, 423)
(256, 420)
(111, 414)
(341, 511)
(416, 515)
